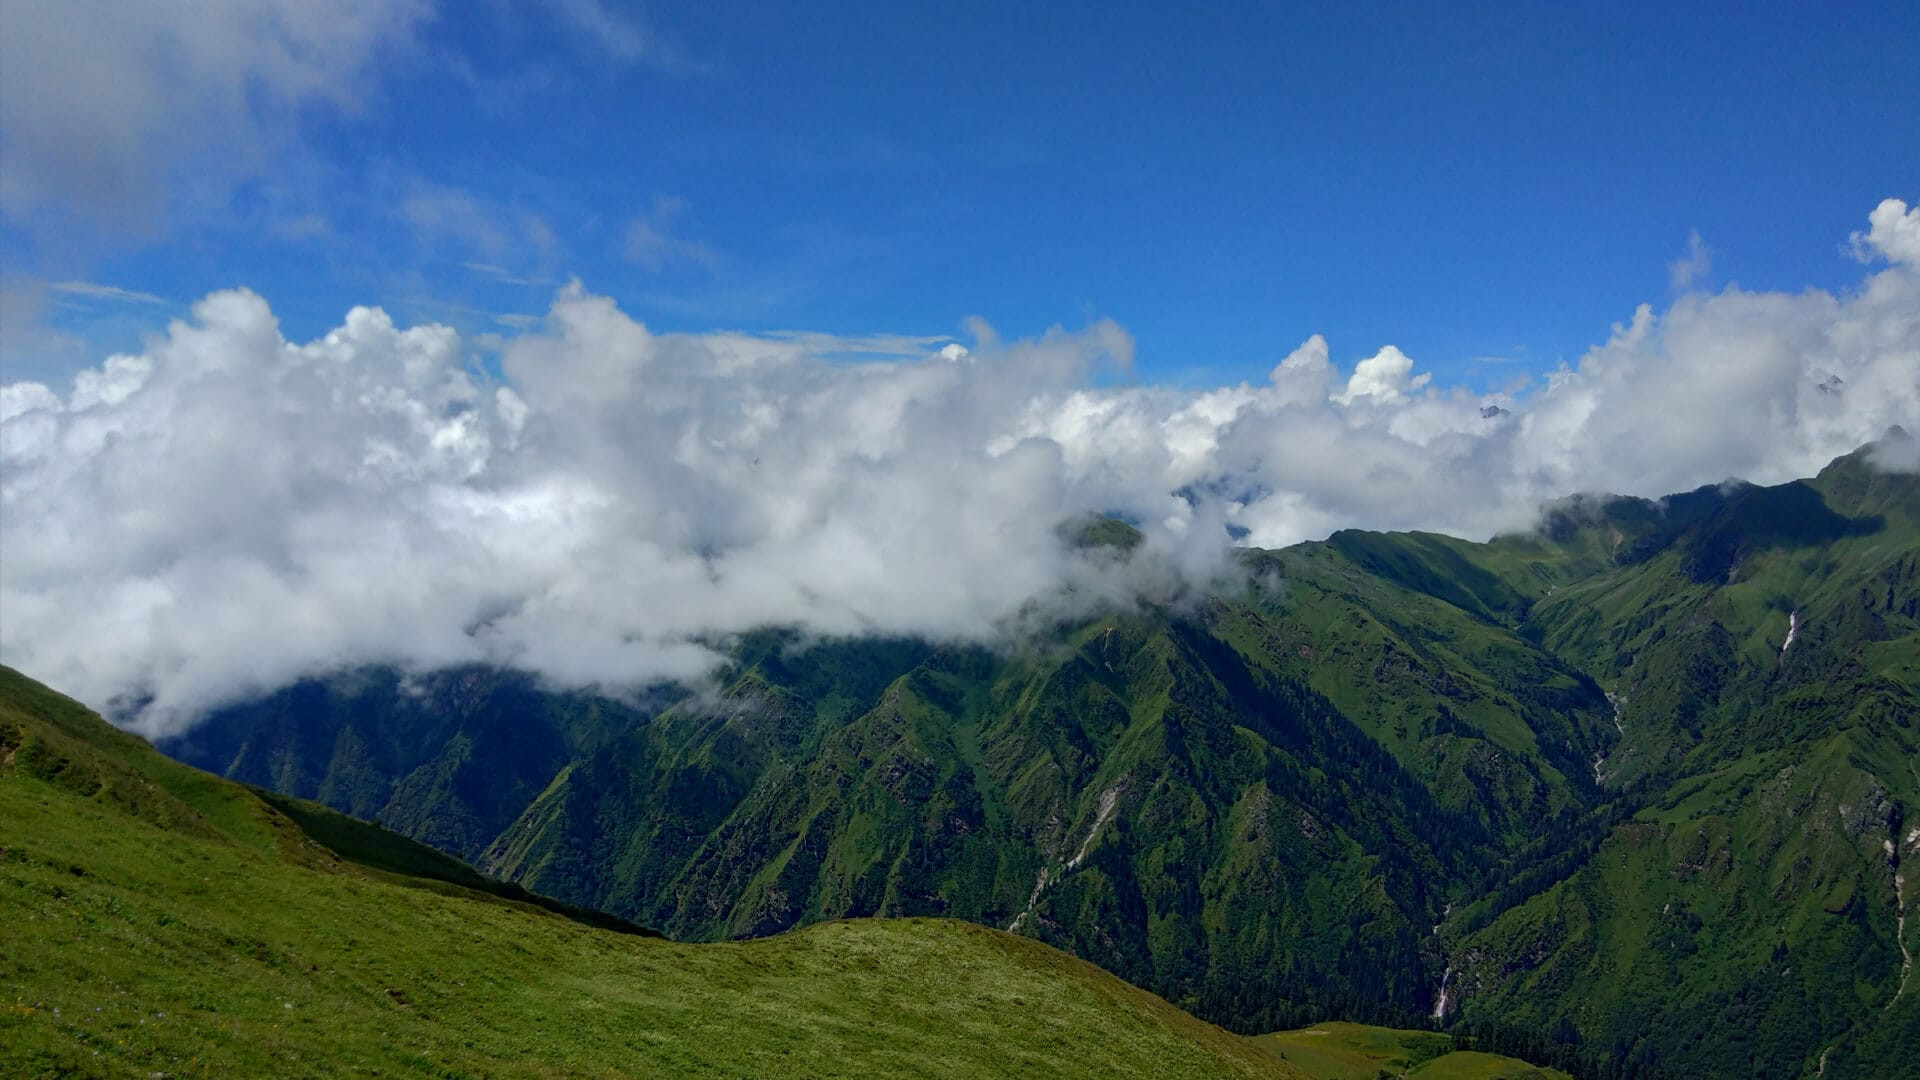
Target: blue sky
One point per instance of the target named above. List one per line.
(1488, 190)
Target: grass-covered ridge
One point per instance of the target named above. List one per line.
(154, 919)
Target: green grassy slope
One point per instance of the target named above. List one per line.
(156, 920)
(1342, 1051)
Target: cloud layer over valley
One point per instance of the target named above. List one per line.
(227, 511)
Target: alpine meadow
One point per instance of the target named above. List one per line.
(664, 628)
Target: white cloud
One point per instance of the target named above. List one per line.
(654, 242)
(443, 216)
(227, 510)
(1898, 451)
(622, 37)
(1382, 377)
(106, 107)
(27, 343)
(94, 291)
(1693, 265)
(1894, 234)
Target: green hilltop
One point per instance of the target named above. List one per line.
(1343, 1051)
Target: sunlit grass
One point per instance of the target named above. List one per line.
(140, 935)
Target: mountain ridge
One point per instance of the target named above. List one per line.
(1382, 760)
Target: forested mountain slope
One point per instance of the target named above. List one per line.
(1754, 918)
(1577, 778)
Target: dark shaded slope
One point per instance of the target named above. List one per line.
(449, 758)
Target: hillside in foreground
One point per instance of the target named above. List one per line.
(1340, 1051)
(155, 920)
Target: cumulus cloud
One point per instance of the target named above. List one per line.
(1382, 377)
(229, 510)
(250, 509)
(1894, 234)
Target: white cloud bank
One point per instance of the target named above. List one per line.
(228, 511)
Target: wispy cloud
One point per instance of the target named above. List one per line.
(484, 232)
(869, 345)
(624, 36)
(620, 36)
(503, 275)
(654, 242)
(104, 106)
(1690, 267)
(465, 315)
(439, 213)
(305, 226)
(94, 291)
